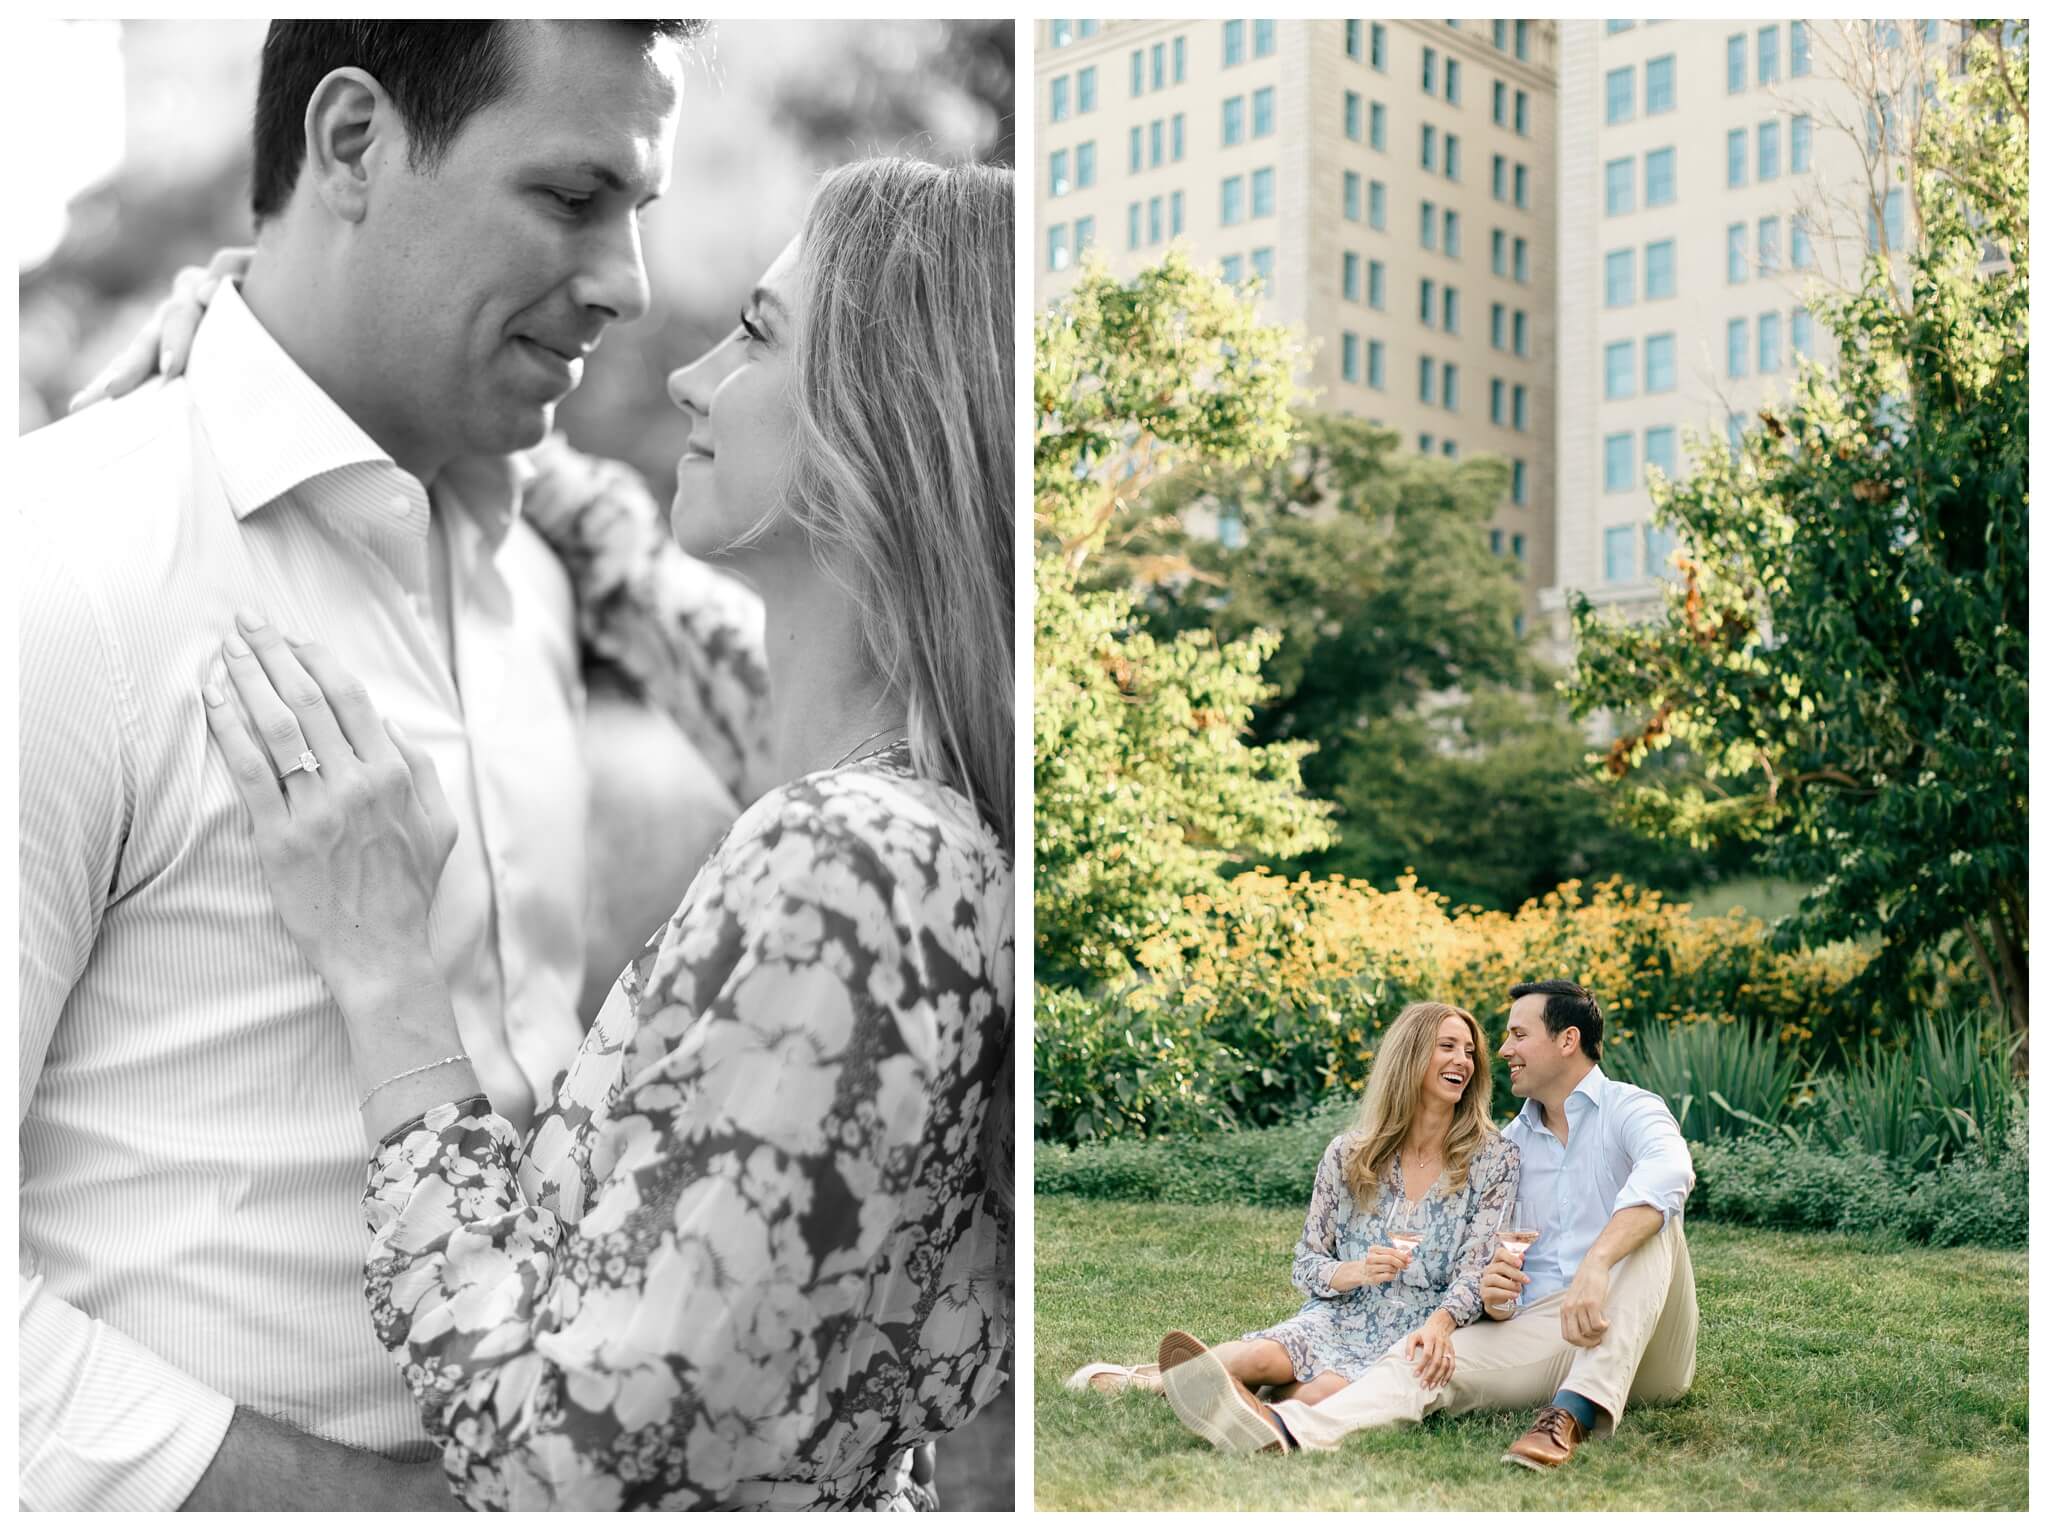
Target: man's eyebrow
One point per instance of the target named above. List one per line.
(606, 177)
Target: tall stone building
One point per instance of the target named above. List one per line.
(1391, 183)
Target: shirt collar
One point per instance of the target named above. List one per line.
(1592, 1087)
(273, 429)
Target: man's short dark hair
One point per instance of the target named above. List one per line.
(1567, 1004)
(438, 75)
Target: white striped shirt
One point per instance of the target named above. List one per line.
(191, 1154)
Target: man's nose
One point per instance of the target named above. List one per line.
(614, 278)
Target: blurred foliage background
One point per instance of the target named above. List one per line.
(147, 169)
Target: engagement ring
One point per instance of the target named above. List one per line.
(306, 762)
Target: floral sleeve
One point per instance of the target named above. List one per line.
(692, 1332)
(1499, 1172)
(686, 635)
(1315, 1257)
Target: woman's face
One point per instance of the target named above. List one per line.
(740, 397)
(1451, 1062)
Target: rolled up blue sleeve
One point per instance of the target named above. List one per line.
(1660, 1165)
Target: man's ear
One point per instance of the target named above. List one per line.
(1568, 1040)
(351, 130)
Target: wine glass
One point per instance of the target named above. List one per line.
(1519, 1231)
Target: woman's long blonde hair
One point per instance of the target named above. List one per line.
(903, 472)
(1403, 1063)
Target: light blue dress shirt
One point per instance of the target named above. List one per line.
(1623, 1149)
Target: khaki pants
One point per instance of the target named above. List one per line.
(1653, 1322)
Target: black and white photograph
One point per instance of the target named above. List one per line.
(515, 532)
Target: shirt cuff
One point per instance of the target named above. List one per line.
(138, 1435)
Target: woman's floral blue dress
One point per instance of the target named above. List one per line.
(759, 1247)
(1345, 1332)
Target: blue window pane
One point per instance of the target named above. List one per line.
(1084, 165)
(1376, 204)
(1770, 342)
(1802, 332)
(1618, 553)
(1738, 62)
(1350, 362)
(1621, 186)
(1620, 369)
(1618, 469)
(1802, 50)
(1375, 364)
(1619, 285)
(1352, 183)
(1062, 97)
(1660, 85)
(1660, 269)
(1660, 449)
(1738, 252)
(1660, 177)
(1738, 156)
(1233, 121)
(1379, 125)
(1056, 256)
(1802, 144)
(1767, 137)
(1767, 251)
(1660, 363)
(1353, 280)
(1621, 94)
(1738, 348)
(1354, 115)
(1233, 43)
(1262, 112)
(1376, 284)
(1518, 486)
(1262, 193)
(1658, 546)
(1084, 91)
(1233, 199)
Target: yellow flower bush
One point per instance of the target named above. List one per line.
(1272, 994)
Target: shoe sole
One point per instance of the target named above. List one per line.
(1522, 1461)
(1207, 1400)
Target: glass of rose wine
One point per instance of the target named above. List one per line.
(1519, 1232)
(1407, 1240)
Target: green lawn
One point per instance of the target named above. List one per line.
(1834, 1374)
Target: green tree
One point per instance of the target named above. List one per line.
(1438, 741)
(1146, 782)
(1846, 650)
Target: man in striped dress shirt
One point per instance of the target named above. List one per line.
(446, 223)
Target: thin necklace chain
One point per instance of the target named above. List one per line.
(877, 734)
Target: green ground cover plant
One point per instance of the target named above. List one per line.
(1836, 1372)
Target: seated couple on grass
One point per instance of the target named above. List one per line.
(1419, 1298)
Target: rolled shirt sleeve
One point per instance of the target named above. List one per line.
(1660, 1165)
(106, 1424)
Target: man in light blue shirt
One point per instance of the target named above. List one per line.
(1600, 1311)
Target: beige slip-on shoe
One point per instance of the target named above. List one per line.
(1214, 1404)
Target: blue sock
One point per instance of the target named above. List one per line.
(1582, 1409)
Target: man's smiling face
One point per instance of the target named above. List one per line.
(1534, 1057)
(500, 267)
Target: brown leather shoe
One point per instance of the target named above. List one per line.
(1549, 1442)
(1214, 1404)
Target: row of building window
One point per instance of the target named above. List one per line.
(1505, 190)
(1233, 267)
(1358, 113)
(1167, 136)
(1445, 222)
(1770, 342)
(1519, 120)
(1264, 35)
(1355, 43)
(1660, 89)
(1154, 221)
(1502, 543)
(1660, 274)
(1767, 56)
(1660, 181)
(1618, 457)
(1453, 91)
(1065, 33)
(1618, 550)
(1261, 200)
(1262, 121)
(1660, 366)
(1770, 136)
(1770, 255)
(1445, 315)
(1520, 35)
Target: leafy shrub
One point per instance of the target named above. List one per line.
(1720, 1079)
(1272, 994)
(1945, 1094)
(1770, 1180)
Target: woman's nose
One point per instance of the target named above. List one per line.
(692, 386)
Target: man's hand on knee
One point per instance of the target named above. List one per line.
(1584, 1315)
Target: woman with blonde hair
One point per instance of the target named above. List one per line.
(757, 1251)
(1424, 1163)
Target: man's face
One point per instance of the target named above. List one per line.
(489, 278)
(1535, 1058)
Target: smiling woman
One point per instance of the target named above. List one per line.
(1404, 1214)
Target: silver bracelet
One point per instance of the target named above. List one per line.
(437, 1063)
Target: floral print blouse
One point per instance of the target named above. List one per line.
(1346, 1332)
(759, 1247)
